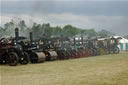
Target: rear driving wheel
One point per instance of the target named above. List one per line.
(13, 59)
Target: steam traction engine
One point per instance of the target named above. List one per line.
(47, 47)
(11, 52)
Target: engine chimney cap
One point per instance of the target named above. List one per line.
(16, 29)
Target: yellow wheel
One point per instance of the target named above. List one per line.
(102, 51)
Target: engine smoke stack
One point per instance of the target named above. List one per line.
(82, 40)
(31, 37)
(74, 40)
(16, 33)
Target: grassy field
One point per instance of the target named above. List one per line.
(100, 70)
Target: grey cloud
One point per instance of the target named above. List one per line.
(27, 7)
(110, 15)
(89, 8)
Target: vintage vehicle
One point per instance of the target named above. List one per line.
(12, 54)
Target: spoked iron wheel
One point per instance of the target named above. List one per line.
(61, 55)
(116, 50)
(90, 52)
(25, 58)
(66, 55)
(86, 53)
(73, 55)
(13, 59)
(102, 51)
(81, 53)
(77, 55)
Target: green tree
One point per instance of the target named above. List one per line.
(9, 28)
(57, 31)
(22, 25)
(47, 30)
(91, 32)
(70, 31)
(2, 32)
(36, 31)
(104, 33)
(83, 31)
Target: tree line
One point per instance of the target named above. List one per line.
(39, 29)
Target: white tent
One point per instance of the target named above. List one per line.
(123, 46)
(123, 40)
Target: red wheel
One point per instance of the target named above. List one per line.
(86, 53)
(77, 55)
(81, 53)
(73, 55)
(90, 53)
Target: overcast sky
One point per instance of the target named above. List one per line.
(111, 15)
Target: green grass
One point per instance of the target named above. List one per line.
(100, 70)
